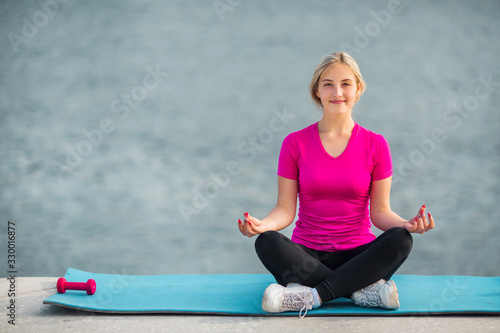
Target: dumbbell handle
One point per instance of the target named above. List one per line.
(76, 285)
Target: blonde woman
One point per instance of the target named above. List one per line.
(341, 174)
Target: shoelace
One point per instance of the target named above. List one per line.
(295, 302)
(370, 298)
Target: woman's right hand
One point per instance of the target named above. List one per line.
(250, 226)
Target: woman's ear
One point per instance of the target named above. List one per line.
(358, 92)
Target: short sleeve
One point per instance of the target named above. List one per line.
(287, 163)
(383, 165)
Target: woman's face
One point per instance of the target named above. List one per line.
(337, 89)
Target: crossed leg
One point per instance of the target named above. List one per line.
(334, 274)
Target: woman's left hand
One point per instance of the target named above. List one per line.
(420, 223)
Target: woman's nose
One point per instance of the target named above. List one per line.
(337, 92)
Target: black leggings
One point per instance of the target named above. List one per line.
(334, 274)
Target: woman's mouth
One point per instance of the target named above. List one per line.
(337, 101)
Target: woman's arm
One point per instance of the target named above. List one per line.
(384, 218)
(280, 217)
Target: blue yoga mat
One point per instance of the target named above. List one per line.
(241, 294)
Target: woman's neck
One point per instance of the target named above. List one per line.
(336, 124)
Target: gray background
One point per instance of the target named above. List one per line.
(229, 74)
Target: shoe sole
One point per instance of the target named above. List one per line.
(392, 296)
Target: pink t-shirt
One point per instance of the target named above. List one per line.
(334, 191)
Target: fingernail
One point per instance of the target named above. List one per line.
(239, 221)
(415, 219)
(250, 223)
(246, 214)
(423, 206)
(429, 215)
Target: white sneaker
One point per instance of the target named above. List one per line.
(295, 298)
(381, 294)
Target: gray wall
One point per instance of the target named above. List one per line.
(100, 157)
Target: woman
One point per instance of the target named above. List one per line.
(342, 176)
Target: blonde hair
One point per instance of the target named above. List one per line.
(332, 59)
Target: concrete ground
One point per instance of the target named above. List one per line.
(33, 316)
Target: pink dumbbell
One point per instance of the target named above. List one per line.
(63, 285)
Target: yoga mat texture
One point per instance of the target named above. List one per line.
(241, 294)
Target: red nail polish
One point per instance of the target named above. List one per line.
(249, 223)
(429, 215)
(415, 219)
(423, 206)
(239, 221)
(246, 214)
